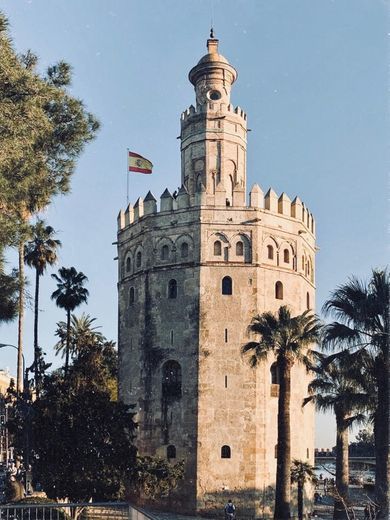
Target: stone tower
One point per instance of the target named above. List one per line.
(192, 273)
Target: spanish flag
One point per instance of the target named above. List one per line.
(138, 164)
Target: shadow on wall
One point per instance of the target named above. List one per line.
(251, 504)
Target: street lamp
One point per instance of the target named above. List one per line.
(3, 345)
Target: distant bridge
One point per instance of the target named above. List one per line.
(353, 461)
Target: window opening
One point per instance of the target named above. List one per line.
(171, 452)
(227, 285)
(279, 291)
(286, 256)
(139, 259)
(172, 289)
(217, 248)
(128, 265)
(132, 295)
(307, 301)
(184, 250)
(225, 381)
(275, 377)
(226, 335)
(239, 249)
(226, 452)
(171, 337)
(171, 380)
(164, 252)
(270, 252)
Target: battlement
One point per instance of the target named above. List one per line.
(215, 106)
(269, 203)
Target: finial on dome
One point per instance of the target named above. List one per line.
(212, 43)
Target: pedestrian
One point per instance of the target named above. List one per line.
(366, 513)
(230, 510)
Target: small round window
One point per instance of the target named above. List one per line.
(214, 95)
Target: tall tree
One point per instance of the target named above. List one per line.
(70, 293)
(39, 252)
(288, 338)
(301, 472)
(81, 333)
(337, 388)
(43, 132)
(9, 293)
(362, 322)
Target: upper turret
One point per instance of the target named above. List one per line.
(213, 76)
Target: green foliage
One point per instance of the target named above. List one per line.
(43, 129)
(9, 293)
(283, 334)
(81, 333)
(70, 292)
(41, 250)
(154, 478)
(302, 472)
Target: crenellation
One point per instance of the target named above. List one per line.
(296, 208)
(284, 204)
(129, 215)
(138, 208)
(271, 201)
(150, 204)
(121, 220)
(166, 201)
(256, 197)
(183, 198)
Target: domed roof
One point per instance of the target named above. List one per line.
(213, 57)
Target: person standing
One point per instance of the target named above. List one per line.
(230, 510)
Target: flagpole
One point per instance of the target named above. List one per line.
(127, 178)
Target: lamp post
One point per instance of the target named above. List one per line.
(3, 345)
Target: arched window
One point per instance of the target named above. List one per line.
(171, 379)
(307, 301)
(226, 452)
(303, 263)
(171, 452)
(239, 249)
(172, 289)
(184, 250)
(139, 259)
(270, 252)
(131, 295)
(274, 370)
(227, 285)
(128, 264)
(307, 453)
(217, 248)
(164, 252)
(286, 256)
(279, 291)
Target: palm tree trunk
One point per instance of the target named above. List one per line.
(20, 375)
(36, 353)
(342, 465)
(382, 439)
(67, 341)
(283, 468)
(300, 500)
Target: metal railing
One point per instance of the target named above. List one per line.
(74, 511)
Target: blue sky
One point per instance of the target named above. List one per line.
(312, 79)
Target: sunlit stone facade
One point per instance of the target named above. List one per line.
(192, 273)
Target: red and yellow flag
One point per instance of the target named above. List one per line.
(138, 164)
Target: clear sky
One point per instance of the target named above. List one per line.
(312, 79)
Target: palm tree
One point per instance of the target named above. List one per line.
(288, 338)
(70, 294)
(9, 293)
(301, 472)
(39, 252)
(337, 387)
(362, 314)
(81, 333)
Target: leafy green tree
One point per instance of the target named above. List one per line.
(288, 338)
(301, 472)
(43, 130)
(81, 333)
(337, 388)
(153, 478)
(39, 252)
(362, 322)
(70, 293)
(9, 293)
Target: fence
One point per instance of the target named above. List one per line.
(67, 511)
